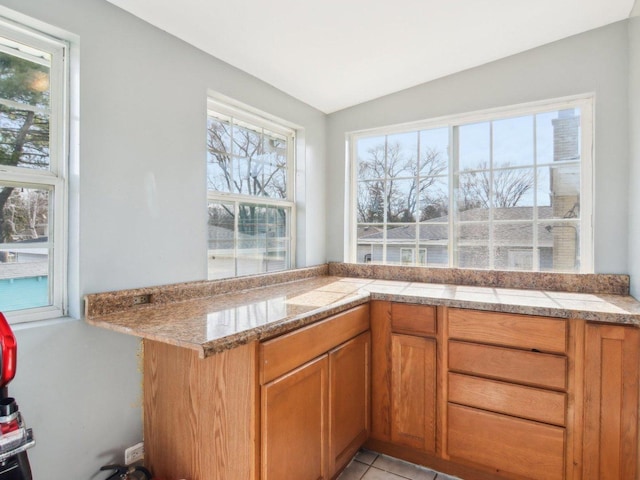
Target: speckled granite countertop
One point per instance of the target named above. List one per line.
(228, 317)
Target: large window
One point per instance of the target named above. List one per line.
(504, 190)
(32, 174)
(250, 167)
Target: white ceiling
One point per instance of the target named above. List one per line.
(333, 54)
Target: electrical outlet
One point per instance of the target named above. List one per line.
(134, 453)
(141, 299)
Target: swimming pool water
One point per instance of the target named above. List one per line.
(20, 293)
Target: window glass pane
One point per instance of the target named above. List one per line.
(370, 201)
(24, 138)
(25, 81)
(433, 255)
(559, 245)
(24, 264)
(219, 167)
(24, 215)
(565, 191)
(219, 135)
(221, 225)
(269, 175)
(19, 291)
(473, 256)
(402, 195)
(434, 152)
(513, 191)
(246, 140)
(474, 146)
(402, 155)
(434, 198)
(472, 196)
(24, 131)
(472, 240)
(515, 235)
(558, 136)
(371, 158)
(513, 142)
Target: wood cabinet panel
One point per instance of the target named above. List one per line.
(519, 331)
(413, 397)
(295, 427)
(282, 354)
(515, 400)
(200, 414)
(532, 368)
(507, 445)
(349, 393)
(381, 370)
(612, 368)
(412, 319)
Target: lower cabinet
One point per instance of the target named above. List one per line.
(612, 370)
(480, 395)
(413, 392)
(404, 373)
(315, 417)
(507, 380)
(349, 394)
(295, 429)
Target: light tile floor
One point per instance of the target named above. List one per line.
(368, 465)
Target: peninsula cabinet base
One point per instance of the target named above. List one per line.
(199, 414)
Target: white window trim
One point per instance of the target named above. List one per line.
(218, 104)
(57, 175)
(587, 188)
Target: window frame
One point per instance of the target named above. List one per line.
(586, 103)
(56, 177)
(219, 105)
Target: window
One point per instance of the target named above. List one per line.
(508, 189)
(251, 205)
(32, 174)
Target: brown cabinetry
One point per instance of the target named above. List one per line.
(315, 415)
(349, 392)
(295, 412)
(404, 375)
(611, 369)
(507, 378)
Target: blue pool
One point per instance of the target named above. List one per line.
(19, 293)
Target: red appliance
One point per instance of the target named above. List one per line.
(15, 438)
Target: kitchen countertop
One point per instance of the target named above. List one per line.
(217, 322)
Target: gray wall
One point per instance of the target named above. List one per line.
(592, 62)
(139, 218)
(634, 143)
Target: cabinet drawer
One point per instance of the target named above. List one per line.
(517, 400)
(283, 354)
(413, 319)
(510, 330)
(506, 445)
(532, 368)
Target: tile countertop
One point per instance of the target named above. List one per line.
(219, 322)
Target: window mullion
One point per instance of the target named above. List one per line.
(491, 203)
(536, 254)
(454, 184)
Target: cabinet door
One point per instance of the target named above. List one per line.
(413, 392)
(612, 366)
(295, 424)
(349, 399)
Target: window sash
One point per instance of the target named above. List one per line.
(54, 178)
(453, 123)
(226, 110)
